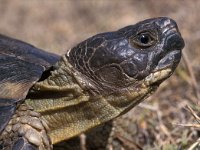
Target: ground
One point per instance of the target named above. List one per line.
(58, 25)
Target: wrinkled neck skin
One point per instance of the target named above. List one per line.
(68, 106)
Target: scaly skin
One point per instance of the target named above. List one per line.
(99, 109)
(104, 77)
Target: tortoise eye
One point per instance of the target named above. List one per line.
(143, 40)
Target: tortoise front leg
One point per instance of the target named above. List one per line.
(22, 144)
(25, 131)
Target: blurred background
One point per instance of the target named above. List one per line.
(163, 121)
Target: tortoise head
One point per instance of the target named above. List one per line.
(131, 61)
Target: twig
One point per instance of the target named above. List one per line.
(197, 118)
(195, 145)
(190, 70)
(148, 106)
(128, 142)
(83, 142)
(159, 115)
(187, 125)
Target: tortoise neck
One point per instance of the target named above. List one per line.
(67, 117)
(67, 109)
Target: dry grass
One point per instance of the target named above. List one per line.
(164, 121)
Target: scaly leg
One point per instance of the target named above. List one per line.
(25, 131)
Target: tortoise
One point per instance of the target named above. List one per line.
(46, 98)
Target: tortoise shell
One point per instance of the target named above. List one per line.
(21, 65)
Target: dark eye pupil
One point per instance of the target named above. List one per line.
(144, 39)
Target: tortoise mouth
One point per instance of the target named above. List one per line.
(170, 60)
(165, 68)
(155, 78)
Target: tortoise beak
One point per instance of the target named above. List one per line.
(170, 61)
(173, 46)
(164, 69)
(174, 41)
